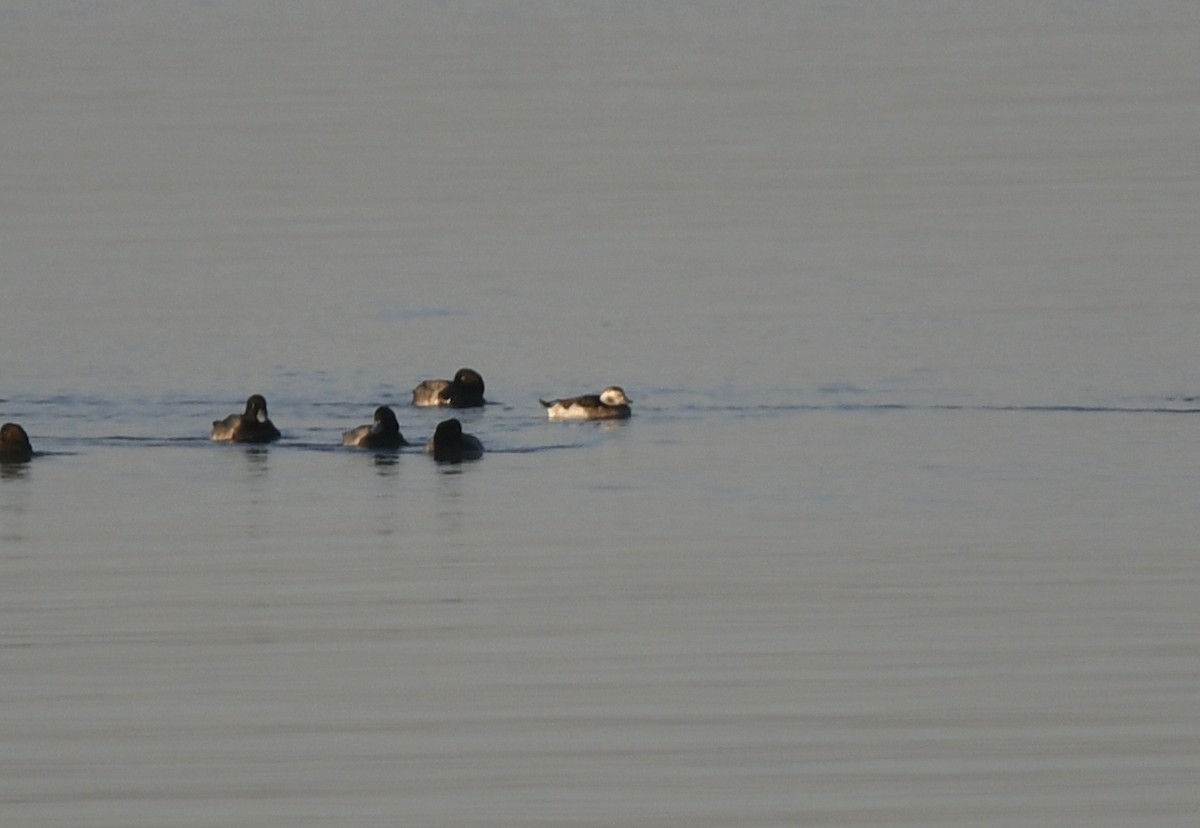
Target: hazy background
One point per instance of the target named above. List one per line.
(902, 531)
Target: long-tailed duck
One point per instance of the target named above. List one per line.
(609, 404)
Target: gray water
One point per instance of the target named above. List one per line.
(903, 530)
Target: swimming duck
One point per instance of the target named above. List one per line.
(14, 444)
(384, 433)
(609, 404)
(464, 391)
(250, 427)
(450, 445)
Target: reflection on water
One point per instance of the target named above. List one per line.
(14, 501)
(902, 529)
(387, 464)
(15, 470)
(449, 504)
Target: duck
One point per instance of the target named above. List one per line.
(464, 391)
(451, 445)
(251, 427)
(14, 444)
(609, 404)
(383, 433)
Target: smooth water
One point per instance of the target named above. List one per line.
(903, 530)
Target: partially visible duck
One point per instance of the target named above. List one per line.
(464, 391)
(14, 444)
(609, 404)
(384, 433)
(451, 445)
(251, 427)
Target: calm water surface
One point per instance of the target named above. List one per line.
(903, 529)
